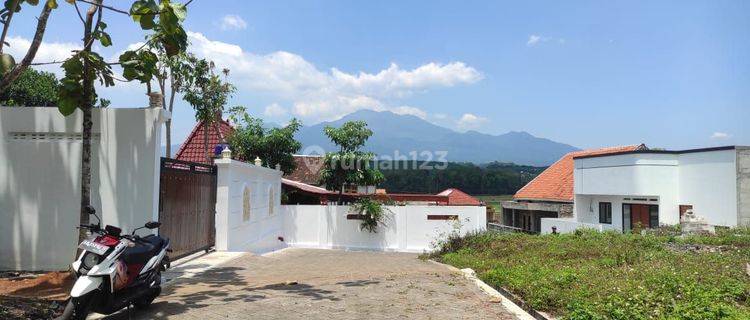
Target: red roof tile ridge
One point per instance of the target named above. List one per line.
(188, 139)
(555, 182)
(193, 134)
(606, 150)
(540, 174)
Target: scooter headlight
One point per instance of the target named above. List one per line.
(90, 260)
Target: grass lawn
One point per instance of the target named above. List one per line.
(590, 275)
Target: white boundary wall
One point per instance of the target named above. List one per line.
(406, 230)
(567, 225)
(257, 229)
(40, 160)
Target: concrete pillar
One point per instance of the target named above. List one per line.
(223, 184)
(155, 100)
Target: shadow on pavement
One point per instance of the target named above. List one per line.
(220, 286)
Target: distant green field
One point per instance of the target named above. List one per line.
(495, 200)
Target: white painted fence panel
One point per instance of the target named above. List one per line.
(248, 217)
(407, 229)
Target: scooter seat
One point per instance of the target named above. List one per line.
(144, 249)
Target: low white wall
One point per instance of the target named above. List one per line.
(570, 225)
(248, 216)
(406, 230)
(40, 160)
(317, 226)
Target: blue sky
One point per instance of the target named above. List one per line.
(672, 74)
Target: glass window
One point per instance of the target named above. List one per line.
(653, 214)
(626, 217)
(605, 212)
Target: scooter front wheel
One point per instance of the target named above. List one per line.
(77, 308)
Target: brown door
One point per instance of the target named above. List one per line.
(639, 215)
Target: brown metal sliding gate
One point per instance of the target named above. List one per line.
(187, 206)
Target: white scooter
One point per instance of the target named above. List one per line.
(115, 271)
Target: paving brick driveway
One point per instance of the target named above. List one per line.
(330, 284)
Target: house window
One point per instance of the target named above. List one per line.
(605, 212)
(653, 212)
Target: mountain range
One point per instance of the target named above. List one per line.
(408, 133)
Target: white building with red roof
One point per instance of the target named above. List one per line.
(550, 194)
(633, 187)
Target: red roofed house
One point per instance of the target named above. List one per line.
(302, 186)
(550, 194)
(193, 148)
(459, 198)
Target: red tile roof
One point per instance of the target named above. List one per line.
(556, 182)
(192, 149)
(307, 169)
(459, 198)
(306, 187)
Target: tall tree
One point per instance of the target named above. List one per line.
(173, 73)
(207, 93)
(9, 70)
(85, 66)
(32, 88)
(250, 139)
(350, 165)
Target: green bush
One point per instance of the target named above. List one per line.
(593, 275)
(372, 213)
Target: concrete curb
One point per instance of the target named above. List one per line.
(507, 301)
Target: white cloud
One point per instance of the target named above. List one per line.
(48, 52)
(287, 79)
(536, 39)
(274, 110)
(406, 110)
(720, 136)
(317, 95)
(233, 22)
(471, 121)
(533, 40)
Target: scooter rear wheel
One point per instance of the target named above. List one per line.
(147, 300)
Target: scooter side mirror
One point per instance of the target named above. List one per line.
(89, 209)
(152, 224)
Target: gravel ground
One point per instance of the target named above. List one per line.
(323, 284)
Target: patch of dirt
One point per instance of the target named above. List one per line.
(15, 308)
(49, 285)
(697, 248)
